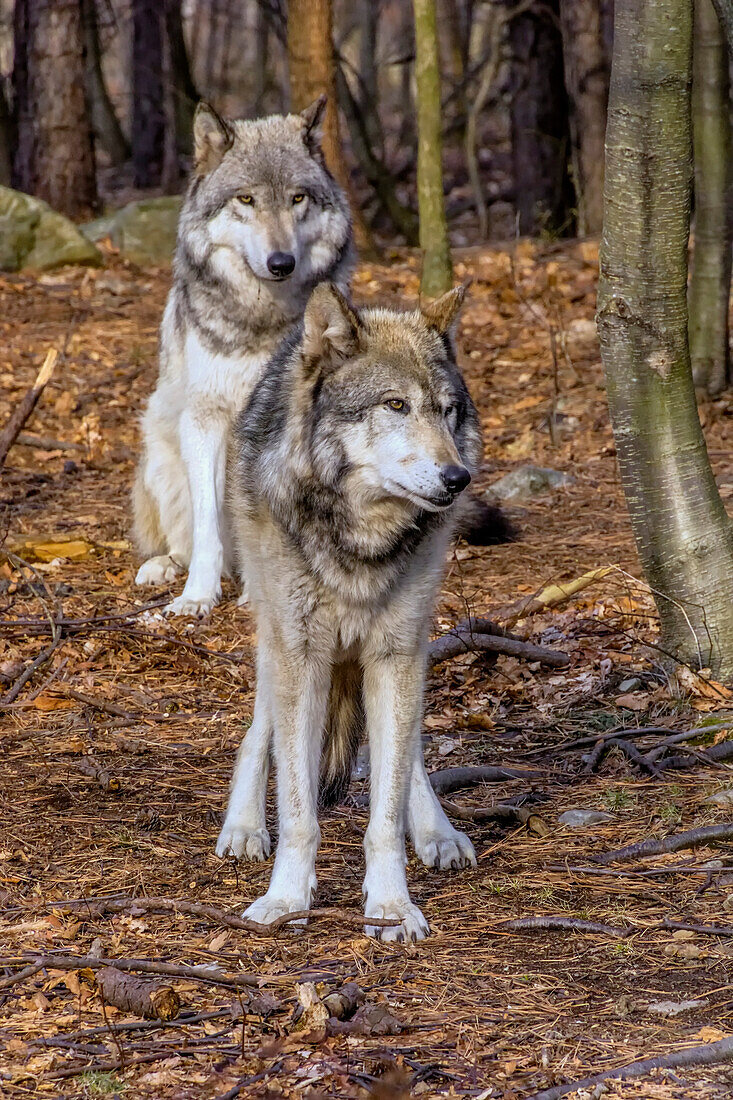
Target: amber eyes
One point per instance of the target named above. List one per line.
(297, 199)
(397, 405)
(246, 200)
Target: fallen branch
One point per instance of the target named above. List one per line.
(690, 839)
(627, 749)
(27, 404)
(453, 779)
(552, 596)
(563, 924)
(46, 443)
(151, 1000)
(708, 1055)
(99, 906)
(701, 929)
(456, 642)
(94, 770)
(504, 811)
(207, 974)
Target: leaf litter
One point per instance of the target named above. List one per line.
(118, 748)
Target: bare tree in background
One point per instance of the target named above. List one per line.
(437, 269)
(539, 122)
(6, 140)
(106, 125)
(711, 259)
(312, 73)
(55, 155)
(185, 96)
(684, 537)
(148, 110)
(586, 66)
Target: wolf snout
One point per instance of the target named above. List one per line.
(281, 264)
(455, 479)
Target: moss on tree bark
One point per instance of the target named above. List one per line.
(684, 537)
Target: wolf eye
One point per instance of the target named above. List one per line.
(397, 405)
(449, 411)
(297, 199)
(246, 200)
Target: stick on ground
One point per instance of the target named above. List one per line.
(705, 835)
(27, 404)
(151, 1000)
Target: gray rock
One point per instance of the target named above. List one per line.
(632, 684)
(674, 1008)
(720, 798)
(34, 236)
(528, 481)
(582, 819)
(144, 231)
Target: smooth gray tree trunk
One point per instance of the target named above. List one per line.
(683, 535)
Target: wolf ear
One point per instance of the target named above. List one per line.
(441, 313)
(330, 329)
(312, 122)
(212, 136)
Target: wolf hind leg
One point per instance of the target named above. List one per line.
(161, 505)
(434, 839)
(244, 833)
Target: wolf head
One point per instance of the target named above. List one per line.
(389, 410)
(262, 189)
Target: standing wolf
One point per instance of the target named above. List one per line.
(346, 473)
(262, 223)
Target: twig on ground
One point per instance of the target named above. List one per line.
(152, 1000)
(705, 835)
(46, 443)
(94, 770)
(707, 1055)
(26, 405)
(243, 1082)
(702, 929)
(98, 906)
(552, 596)
(453, 779)
(627, 749)
(456, 642)
(208, 975)
(563, 924)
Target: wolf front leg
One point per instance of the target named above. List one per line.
(203, 450)
(393, 688)
(299, 698)
(435, 840)
(244, 832)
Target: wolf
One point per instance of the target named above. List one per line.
(262, 223)
(346, 475)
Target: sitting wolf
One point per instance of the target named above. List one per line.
(345, 483)
(262, 223)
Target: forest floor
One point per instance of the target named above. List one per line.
(117, 753)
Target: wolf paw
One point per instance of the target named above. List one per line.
(197, 608)
(243, 843)
(412, 926)
(160, 570)
(269, 907)
(445, 851)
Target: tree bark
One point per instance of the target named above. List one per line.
(539, 123)
(711, 262)
(184, 90)
(683, 535)
(148, 114)
(586, 80)
(312, 71)
(55, 158)
(106, 125)
(6, 142)
(437, 269)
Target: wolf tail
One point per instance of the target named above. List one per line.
(345, 723)
(484, 524)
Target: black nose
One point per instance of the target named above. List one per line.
(455, 478)
(281, 264)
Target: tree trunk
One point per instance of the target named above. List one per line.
(711, 261)
(148, 114)
(6, 143)
(23, 124)
(55, 151)
(586, 81)
(184, 90)
(437, 269)
(106, 126)
(312, 73)
(683, 535)
(539, 123)
(262, 49)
